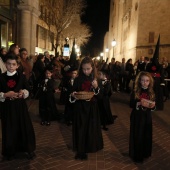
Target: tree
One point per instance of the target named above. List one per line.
(58, 15)
(77, 30)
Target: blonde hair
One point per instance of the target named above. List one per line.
(138, 86)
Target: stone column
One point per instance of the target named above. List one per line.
(29, 13)
(25, 29)
(34, 19)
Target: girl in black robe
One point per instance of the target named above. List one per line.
(87, 136)
(17, 130)
(140, 145)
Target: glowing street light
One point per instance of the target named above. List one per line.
(113, 45)
(107, 52)
(98, 58)
(101, 54)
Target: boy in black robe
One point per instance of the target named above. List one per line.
(17, 129)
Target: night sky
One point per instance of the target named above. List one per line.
(97, 17)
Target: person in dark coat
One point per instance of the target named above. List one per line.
(157, 72)
(129, 74)
(3, 54)
(87, 136)
(38, 72)
(17, 129)
(141, 65)
(140, 143)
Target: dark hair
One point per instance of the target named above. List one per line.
(146, 58)
(2, 49)
(49, 68)
(12, 48)
(12, 57)
(88, 60)
(40, 56)
(128, 61)
(22, 49)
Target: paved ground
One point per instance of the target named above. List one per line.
(54, 144)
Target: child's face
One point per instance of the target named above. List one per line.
(11, 65)
(87, 69)
(74, 74)
(145, 81)
(48, 74)
(101, 76)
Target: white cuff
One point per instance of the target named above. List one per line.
(98, 90)
(26, 93)
(162, 84)
(2, 98)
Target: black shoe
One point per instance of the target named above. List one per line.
(77, 156)
(69, 123)
(31, 156)
(84, 156)
(114, 117)
(42, 123)
(81, 156)
(48, 123)
(105, 128)
(9, 158)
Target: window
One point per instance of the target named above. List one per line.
(151, 37)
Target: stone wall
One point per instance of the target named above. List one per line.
(136, 25)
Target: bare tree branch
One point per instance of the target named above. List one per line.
(60, 14)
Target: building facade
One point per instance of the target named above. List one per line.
(18, 23)
(136, 25)
(7, 22)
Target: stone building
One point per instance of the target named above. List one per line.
(136, 25)
(21, 23)
(18, 23)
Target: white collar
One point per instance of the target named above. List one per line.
(145, 88)
(11, 74)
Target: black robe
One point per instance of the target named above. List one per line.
(47, 106)
(158, 76)
(140, 143)
(104, 104)
(68, 112)
(87, 136)
(17, 129)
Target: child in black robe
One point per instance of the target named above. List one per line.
(87, 136)
(68, 112)
(47, 106)
(104, 102)
(17, 129)
(140, 145)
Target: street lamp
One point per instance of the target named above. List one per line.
(101, 55)
(113, 45)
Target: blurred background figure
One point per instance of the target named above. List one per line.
(3, 54)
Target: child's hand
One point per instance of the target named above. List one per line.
(147, 103)
(11, 94)
(152, 105)
(73, 95)
(57, 90)
(138, 104)
(21, 94)
(94, 83)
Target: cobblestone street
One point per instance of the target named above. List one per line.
(54, 147)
